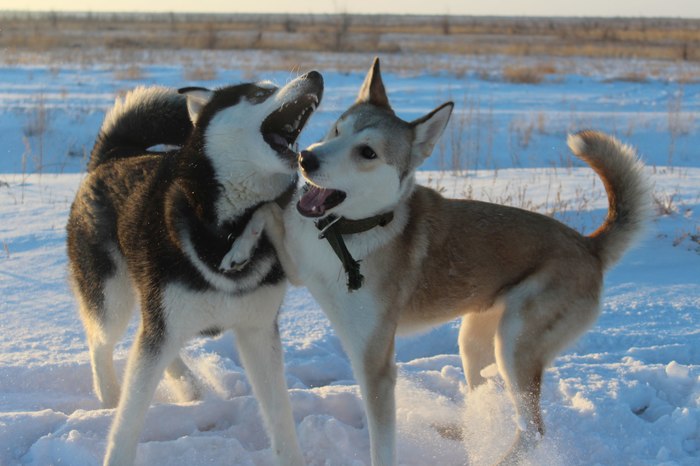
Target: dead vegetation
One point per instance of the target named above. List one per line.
(523, 74)
(671, 39)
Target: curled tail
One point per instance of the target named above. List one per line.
(144, 117)
(628, 189)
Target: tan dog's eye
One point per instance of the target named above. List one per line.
(367, 153)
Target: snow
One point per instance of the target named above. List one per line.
(626, 393)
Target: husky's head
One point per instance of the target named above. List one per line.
(365, 164)
(254, 123)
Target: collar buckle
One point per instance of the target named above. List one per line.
(326, 224)
(333, 228)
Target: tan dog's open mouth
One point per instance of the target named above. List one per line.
(315, 201)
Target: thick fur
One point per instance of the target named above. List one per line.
(153, 227)
(524, 284)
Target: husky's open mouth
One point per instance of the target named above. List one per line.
(315, 201)
(282, 127)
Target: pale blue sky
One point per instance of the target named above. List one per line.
(667, 8)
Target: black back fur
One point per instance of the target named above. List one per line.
(137, 206)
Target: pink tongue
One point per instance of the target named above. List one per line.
(313, 200)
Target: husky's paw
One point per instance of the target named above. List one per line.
(228, 266)
(241, 251)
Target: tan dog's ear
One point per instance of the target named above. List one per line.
(428, 129)
(372, 90)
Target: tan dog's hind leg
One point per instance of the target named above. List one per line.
(476, 343)
(541, 318)
(522, 355)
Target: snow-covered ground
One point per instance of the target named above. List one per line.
(627, 393)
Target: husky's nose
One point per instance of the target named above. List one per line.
(314, 76)
(308, 161)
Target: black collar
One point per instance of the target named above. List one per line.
(333, 228)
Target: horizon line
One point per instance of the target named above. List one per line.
(284, 13)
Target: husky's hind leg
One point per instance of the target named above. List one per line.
(106, 304)
(187, 387)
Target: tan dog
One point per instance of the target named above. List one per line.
(525, 284)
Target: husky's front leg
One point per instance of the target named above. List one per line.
(267, 218)
(261, 353)
(242, 248)
(148, 359)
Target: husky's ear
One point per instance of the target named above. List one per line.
(429, 128)
(372, 90)
(197, 98)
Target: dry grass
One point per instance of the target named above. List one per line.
(632, 77)
(672, 39)
(34, 131)
(200, 73)
(130, 73)
(522, 75)
(665, 203)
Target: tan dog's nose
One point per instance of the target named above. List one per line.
(308, 161)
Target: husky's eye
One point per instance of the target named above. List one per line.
(260, 94)
(367, 153)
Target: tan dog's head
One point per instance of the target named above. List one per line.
(366, 162)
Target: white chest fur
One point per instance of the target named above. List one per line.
(354, 314)
(189, 312)
(314, 258)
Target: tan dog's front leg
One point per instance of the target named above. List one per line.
(367, 334)
(380, 400)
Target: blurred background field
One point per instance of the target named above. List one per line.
(520, 84)
(653, 38)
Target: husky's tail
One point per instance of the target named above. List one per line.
(144, 117)
(629, 192)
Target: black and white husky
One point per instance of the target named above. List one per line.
(158, 226)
